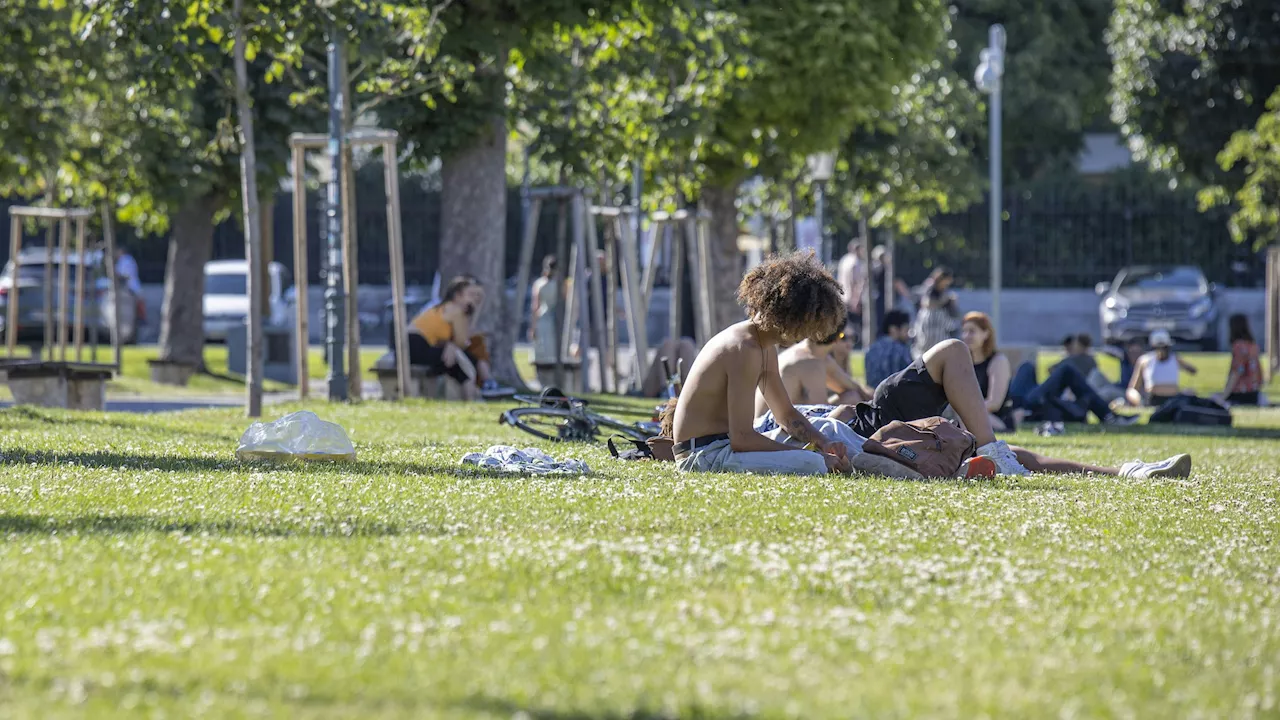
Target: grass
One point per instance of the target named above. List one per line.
(147, 573)
(135, 377)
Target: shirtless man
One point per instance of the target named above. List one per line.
(812, 376)
(788, 299)
(793, 298)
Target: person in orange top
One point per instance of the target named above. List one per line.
(1244, 380)
(433, 337)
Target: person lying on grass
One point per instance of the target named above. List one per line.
(789, 299)
(811, 375)
(793, 298)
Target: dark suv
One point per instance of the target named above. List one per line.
(1174, 298)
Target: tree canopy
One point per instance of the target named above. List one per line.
(1188, 75)
(1056, 74)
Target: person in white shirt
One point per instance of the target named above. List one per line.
(127, 271)
(852, 274)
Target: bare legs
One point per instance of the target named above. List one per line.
(1043, 464)
(848, 397)
(951, 366)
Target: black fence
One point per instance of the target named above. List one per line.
(1072, 233)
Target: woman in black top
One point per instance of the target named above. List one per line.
(991, 367)
(1006, 391)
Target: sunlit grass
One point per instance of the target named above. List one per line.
(148, 573)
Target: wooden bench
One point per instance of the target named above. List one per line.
(546, 374)
(74, 386)
(423, 383)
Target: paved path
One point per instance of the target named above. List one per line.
(161, 405)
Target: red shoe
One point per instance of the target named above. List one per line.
(977, 467)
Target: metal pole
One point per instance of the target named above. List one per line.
(997, 197)
(820, 209)
(302, 344)
(989, 78)
(334, 300)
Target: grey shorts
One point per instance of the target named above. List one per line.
(720, 457)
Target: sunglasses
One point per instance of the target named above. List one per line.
(833, 338)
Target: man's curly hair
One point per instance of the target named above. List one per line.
(793, 296)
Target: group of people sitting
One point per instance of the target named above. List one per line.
(1076, 387)
(740, 384)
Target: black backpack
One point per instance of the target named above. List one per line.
(1191, 410)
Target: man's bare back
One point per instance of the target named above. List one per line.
(706, 385)
(803, 374)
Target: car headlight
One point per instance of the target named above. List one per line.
(1201, 307)
(1114, 308)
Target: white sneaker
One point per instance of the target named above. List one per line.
(1178, 466)
(1000, 454)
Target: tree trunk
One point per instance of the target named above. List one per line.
(726, 261)
(473, 233)
(182, 315)
(252, 218)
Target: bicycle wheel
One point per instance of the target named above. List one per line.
(635, 431)
(551, 424)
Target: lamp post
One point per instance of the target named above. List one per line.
(989, 78)
(821, 167)
(334, 297)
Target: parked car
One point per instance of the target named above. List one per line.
(226, 299)
(99, 302)
(1143, 299)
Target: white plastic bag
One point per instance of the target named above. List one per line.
(296, 436)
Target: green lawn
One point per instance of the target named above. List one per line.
(135, 378)
(148, 574)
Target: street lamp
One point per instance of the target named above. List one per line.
(822, 166)
(334, 299)
(989, 78)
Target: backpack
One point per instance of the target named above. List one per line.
(656, 448)
(1192, 410)
(931, 446)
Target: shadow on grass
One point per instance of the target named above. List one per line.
(181, 463)
(114, 421)
(1242, 433)
(507, 708)
(20, 524)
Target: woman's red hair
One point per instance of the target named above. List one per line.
(984, 323)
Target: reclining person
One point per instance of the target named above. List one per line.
(811, 376)
(791, 297)
(787, 299)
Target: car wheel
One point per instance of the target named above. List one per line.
(1210, 342)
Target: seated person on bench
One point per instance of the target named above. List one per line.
(792, 298)
(811, 376)
(432, 334)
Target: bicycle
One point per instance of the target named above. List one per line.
(561, 418)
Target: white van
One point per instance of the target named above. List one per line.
(226, 299)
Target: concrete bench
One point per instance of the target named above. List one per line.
(546, 374)
(1019, 354)
(73, 386)
(171, 372)
(423, 383)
